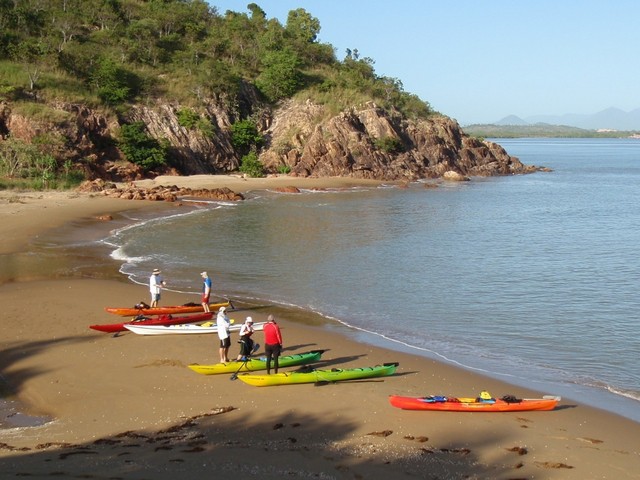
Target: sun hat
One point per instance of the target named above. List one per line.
(222, 309)
(156, 271)
(249, 320)
(204, 274)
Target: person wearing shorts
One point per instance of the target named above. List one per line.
(223, 323)
(156, 282)
(206, 291)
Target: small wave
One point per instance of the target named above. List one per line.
(149, 221)
(625, 393)
(208, 202)
(118, 254)
(630, 394)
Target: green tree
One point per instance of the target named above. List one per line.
(245, 136)
(113, 83)
(281, 76)
(187, 118)
(302, 27)
(389, 144)
(251, 165)
(140, 148)
(32, 54)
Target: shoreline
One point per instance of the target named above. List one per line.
(60, 368)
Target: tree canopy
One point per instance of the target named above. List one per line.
(123, 51)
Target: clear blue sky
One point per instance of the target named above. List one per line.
(479, 61)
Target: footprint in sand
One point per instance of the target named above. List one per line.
(518, 450)
(590, 440)
(420, 439)
(553, 465)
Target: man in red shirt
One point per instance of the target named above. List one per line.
(272, 343)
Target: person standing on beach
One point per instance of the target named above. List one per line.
(156, 282)
(272, 343)
(246, 342)
(223, 323)
(206, 291)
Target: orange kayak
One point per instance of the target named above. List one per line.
(452, 404)
(177, 309)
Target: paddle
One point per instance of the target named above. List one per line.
(321, 383)
(234, 376)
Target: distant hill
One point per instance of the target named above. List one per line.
(608, 119)
(511, 120)
(511, 130)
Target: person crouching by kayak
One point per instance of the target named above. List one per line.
(245, 340)
(223, 323)
(272, 343)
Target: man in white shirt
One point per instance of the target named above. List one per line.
(223, 323)
(156, 282)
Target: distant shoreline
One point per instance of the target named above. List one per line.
(543, 131)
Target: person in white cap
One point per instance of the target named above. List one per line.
(156, 282)
(223, 323)
(246, 342)
(206, 291)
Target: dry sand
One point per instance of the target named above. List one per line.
(126, 406)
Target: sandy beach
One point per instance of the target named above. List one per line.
(126, 407)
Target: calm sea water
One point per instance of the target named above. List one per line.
(532, 279)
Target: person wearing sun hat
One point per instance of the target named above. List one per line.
(246, 342)
(223, 323)
(206, 291)
(156, 282)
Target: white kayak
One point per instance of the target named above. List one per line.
(183, 329)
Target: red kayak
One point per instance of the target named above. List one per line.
(143, 309)
(160, 320)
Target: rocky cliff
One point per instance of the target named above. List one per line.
(301, 137)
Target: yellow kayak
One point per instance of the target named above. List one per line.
(319, 376)
(259, 363)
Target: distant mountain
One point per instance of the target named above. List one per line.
(511, 120)
(610, 118)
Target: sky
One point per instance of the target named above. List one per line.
(480, 61)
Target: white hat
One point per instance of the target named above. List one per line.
(222, 309)
(249, 320)
(204, 274)
(156, 271)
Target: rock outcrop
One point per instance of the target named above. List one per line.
(161, 193)
(352, 144)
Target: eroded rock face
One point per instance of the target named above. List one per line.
(300, 137)
(193, 150)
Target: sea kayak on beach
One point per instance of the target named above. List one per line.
(171, 310)
(507, 403)
(182, 329)
(256, 363)
(319, 376)
(159, 320)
